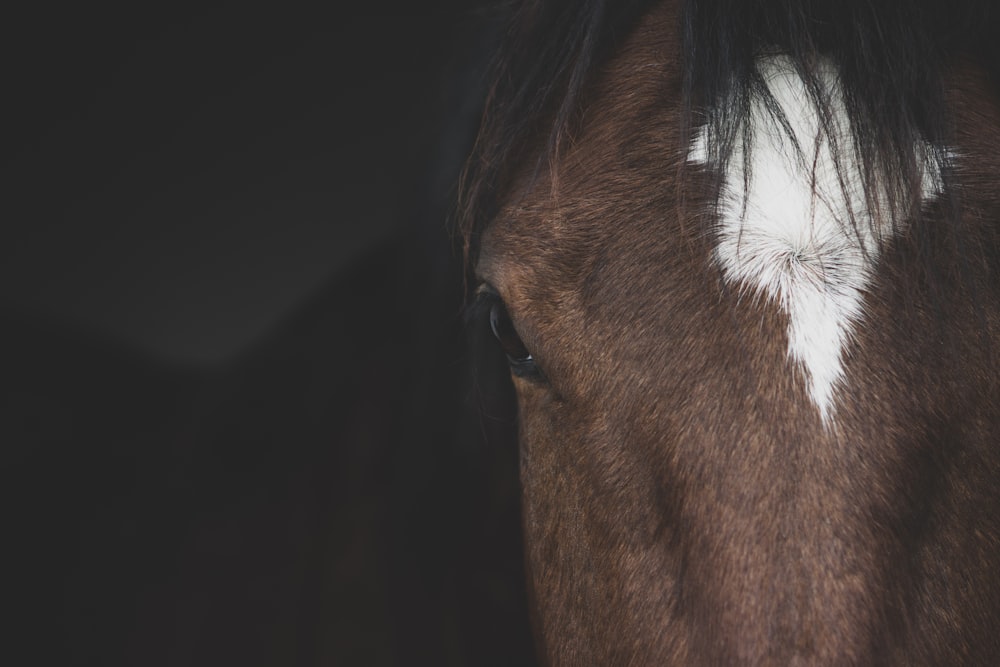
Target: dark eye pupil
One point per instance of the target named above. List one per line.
(517, 354)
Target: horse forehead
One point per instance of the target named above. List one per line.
(799, 228)
(606, 214)
(611, 186)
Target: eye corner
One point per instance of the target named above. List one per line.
(526, 369)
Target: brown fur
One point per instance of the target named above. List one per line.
(683, 503)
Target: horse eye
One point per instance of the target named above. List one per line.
(522, 364)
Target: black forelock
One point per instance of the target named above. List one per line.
(546, 56)
(890, 55)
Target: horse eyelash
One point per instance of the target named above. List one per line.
(484, 298)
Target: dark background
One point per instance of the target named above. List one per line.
(236, 403)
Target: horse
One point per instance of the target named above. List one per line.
(743, 260)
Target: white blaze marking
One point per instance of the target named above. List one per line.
(787, 233)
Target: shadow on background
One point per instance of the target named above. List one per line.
(236, 398)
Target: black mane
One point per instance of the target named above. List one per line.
(546, 56)
(890, 55)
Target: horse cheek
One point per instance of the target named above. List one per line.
(557, 559)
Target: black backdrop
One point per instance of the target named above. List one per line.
(236, 413)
